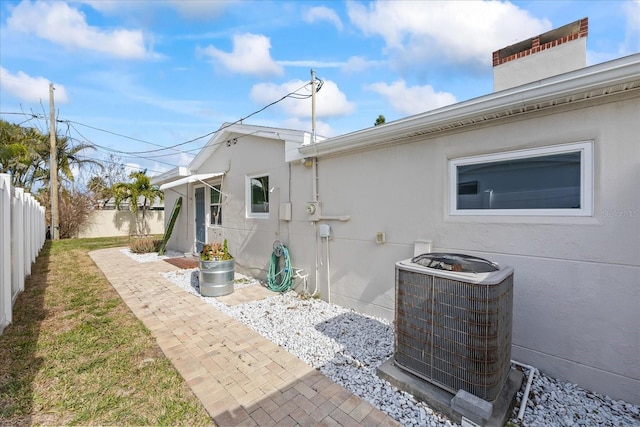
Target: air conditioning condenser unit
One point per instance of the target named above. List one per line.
(453, 321)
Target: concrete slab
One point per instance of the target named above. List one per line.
(440, 400)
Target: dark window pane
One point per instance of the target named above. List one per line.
(215, 194)
(260, 194)
(216, 215)
(545, 182)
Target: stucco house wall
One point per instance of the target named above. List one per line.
(577, 278)
(250, 239)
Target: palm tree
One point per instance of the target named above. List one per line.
(99, 189)
(137, 191)
(68, 156)
(21, 154)
(25, 154)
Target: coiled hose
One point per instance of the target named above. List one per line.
(279, 281)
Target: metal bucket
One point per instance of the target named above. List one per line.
(216, 277)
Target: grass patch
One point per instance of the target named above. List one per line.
(75, 354)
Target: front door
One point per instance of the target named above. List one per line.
(200, 225)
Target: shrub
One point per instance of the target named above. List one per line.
(144, 245)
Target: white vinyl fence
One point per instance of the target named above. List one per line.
(22, 235)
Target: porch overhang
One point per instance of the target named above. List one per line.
(190, 179)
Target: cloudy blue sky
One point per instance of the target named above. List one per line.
(133, 76)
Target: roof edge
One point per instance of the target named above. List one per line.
(170, 175)
(227, 129)
(501, 103)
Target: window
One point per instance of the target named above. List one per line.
(258, 196)
(215, 205)
(553, 180)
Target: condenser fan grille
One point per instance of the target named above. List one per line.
(453, 333)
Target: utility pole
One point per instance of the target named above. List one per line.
(313, 106)
(53, 168)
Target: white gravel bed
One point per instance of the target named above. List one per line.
(347, 347)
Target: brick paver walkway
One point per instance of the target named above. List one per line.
(240, 377)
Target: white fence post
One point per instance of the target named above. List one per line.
(17, 243)
(5, 251)
(22, 235)
(26, 232)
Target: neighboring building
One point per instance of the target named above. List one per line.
(107, 221)
(542, 177)
(234, 188)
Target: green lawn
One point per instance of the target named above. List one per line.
(75, 354)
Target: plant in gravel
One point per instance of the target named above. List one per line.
(306, 296)
(215, 252)
(144, 245)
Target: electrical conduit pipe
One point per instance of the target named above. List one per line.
(525, 396)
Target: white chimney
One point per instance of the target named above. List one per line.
(554, 52)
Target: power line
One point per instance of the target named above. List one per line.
(141, 169)
(136, 154)
(35, 116)
(293, 95)
(112, 150)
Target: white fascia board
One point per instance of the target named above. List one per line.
(189, 179)
(227, 130)
(169, 175)
(560, 87)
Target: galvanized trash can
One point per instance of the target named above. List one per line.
(216, 277)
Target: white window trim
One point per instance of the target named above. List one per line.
(211, 186)
(247, 193)
(586, 180)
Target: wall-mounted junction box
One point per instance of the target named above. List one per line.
(324, 230)
(285, 211)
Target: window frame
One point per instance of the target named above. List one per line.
(217, 188)
(585, 148)
(249, 194)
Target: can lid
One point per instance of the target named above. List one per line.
(455, 262)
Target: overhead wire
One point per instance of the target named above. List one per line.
(113, 150)
(293, 95)
(139, 154)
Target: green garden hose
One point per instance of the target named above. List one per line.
(279, 281)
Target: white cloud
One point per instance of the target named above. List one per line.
(250, 55)
(126, 86)
(414, 99)
(311, 64)
(31, 89)
(356, 64)
(66, 26)
(323, 13)
(190, 9)
(330, 101)
(198, 9)
(456, 32)
(323, 129)
(131, 167)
